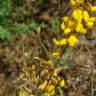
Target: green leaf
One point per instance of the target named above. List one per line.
(4, 33)
(55, 24)
(21, 28)
(5, 8)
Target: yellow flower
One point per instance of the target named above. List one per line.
(55, 73)
(77, 15)
(55, 54)
(25, 79)
(72, 40)
(54, 80)
(79, 28)
(42, 86)
(90, 24)
(67, 30)
(93, 8)
(62, 83)
(73, 2)
(21, 94)
(65, 19)
(85, 16)
(27, 89)
(31, 95)
(48, 62)
(83, 31)
(80, 1)
(60, 42)
(33, 66)
(51, 93)
(70, 23)
(92, 19)
(50, 90)
(63, 26)
(47, 94)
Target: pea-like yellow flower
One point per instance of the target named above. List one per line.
(21, 94)
(85, 16)
(88, 20)
(47, 62)
(67, 30)
(50, 87)
(73, 2)
(51, 93)
(63, 26)
(59, 42)
(27, 89)
(50, 90)
(76, 2)
(70, 23)
(93, 8)
(31, 95)
(55, 54)
(42, 86)
(80, 1)
(83, 30)
(90, 24)
(79, 28)
(77, 15)
(72, 40)
(62, 83)
(55, 80)
(65, 19)
(92, 19)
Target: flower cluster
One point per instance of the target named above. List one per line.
(43, 78)
(50, 86)
(78, 21)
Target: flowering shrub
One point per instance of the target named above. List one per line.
(77, 22)
(42, 83)
(42, 79)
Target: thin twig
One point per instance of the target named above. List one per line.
(45, 50)
(42, 45)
